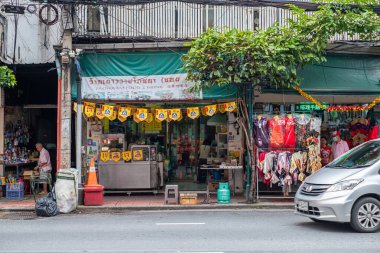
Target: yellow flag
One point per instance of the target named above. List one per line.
(230, 107)
(149, 118)
(89, 104)
(121, 119)
(127, 156)
(222, 108)
(193, 112)
(105, 156)
(107, 110)
(115, 156)
(99, 113)
(141, 114)
(161, 114)
(210, 110)
(137, 155)
(89, 111)
(75, 106)
(114, 116)
(175, 114)
(135, 119)
(124, 112)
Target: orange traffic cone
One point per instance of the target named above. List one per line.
(91, 179)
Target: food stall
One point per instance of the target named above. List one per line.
(139, 173)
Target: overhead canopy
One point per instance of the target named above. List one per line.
(340, 75)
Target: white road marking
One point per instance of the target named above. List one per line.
(180, 223)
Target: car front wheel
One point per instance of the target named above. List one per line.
(365, 215)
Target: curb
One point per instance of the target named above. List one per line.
(102, 209)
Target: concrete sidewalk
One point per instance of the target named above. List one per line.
(154, 202)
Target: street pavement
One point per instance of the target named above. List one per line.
(181, 231)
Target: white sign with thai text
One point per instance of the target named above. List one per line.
(154, 87)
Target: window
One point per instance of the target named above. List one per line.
(362, 156)
(93, 19)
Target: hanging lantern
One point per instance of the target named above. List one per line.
(127, 156)
(99, 114)
(161, 114)
(175, 114)
(107, 110)
(193, 112)
(105, 156)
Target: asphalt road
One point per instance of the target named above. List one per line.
(183, 231)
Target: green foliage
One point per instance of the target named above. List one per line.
(272, 57)
(7, 78)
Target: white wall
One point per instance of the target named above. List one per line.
(35, 40)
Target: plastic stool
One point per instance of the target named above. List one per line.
(169, 188)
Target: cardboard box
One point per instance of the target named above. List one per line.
(213, 186)
(27, 174)
(188, 199)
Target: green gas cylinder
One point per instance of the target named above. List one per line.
(223, 194)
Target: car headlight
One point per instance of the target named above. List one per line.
(344, 185)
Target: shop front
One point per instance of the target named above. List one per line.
(29, 118)
(295, 133)
(145, 127)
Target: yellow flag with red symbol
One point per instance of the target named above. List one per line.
(127, 156)
(104, 156)
(99, 114)
(115, 156)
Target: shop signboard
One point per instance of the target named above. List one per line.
(306, 107)
(153, 87)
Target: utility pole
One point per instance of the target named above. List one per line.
(65, 102)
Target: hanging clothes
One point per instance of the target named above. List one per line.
(302, 128)
(298, 164)
(276, 129)
(290, 135)
(261, 132)
(270, 162)
(314, 159)
(373, 133)
(283, 163)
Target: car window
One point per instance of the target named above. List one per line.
(362, 156)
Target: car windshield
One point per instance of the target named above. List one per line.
(363, 156)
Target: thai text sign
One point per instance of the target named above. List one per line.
(153, 87)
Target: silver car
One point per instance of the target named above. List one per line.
(346, 190)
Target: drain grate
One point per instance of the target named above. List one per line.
(18, 215)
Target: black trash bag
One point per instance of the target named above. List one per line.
(47, 206)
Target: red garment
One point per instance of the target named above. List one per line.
(373, 133)
(290, 135)
(326, 153)
(276, 128)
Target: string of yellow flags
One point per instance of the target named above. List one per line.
(113, 112)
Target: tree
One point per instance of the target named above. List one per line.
(272, 57)
(7, 78)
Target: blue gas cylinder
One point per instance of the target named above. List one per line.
(223, 194)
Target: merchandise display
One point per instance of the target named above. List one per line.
(293, 152)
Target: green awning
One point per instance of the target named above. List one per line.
(132, 76)
(340, 75)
